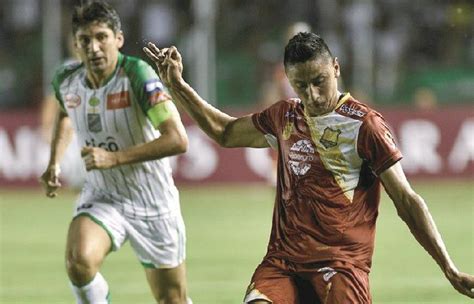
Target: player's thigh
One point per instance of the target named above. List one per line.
(344, 284)
(96, 229)
(167, 282)
(87, 241)
(271, 283)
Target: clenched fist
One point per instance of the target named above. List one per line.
(97, 158)
(50, 180)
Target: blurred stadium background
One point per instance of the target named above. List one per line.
(412, 60)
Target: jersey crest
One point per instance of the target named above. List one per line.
(330, 137)
(93, 115)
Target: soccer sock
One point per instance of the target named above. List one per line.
(189, 301)
(96, 292)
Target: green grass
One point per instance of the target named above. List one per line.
(227, 229)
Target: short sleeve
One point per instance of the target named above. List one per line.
(268, 120)
(376, 143)
(148, 90)
(64, 71)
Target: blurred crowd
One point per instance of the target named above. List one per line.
(391, 51)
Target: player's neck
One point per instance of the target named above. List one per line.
(97, 80)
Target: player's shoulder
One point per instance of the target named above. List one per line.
(285, 109)
(67, 69)
(355, 109)
(134, 66)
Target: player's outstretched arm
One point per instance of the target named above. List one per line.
(413, 210)
(62, 135)
(172, 141)
(226, 130)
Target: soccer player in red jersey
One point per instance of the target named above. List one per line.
(334, 152)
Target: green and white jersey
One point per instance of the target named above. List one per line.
(124, 112)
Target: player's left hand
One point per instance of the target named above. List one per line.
(169, 63)
(462, 282)
(97, 158)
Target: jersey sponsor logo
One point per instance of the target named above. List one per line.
(72, 100)
(119, 100)
(109, 144)
(301, 156)
(330, 137)
(303, 145)
(351, 111)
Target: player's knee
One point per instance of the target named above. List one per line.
(81, 266)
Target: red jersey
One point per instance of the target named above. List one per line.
(328, 192)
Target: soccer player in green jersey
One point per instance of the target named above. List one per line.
(127, 126)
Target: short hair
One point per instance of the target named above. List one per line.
(95, 11)
(305, 46)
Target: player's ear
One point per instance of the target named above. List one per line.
(337, 68)
(120, 39)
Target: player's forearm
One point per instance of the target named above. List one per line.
(212, 121)
(416, 215)
(62, 136)
(161, 147)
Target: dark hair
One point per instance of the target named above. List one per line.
(305, 46)
(95, 11)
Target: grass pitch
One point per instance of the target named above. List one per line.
(227, 230)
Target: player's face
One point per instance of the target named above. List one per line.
(98, 47)
(315, 82)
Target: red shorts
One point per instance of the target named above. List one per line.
(280, 282)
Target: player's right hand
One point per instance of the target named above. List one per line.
(50, 180)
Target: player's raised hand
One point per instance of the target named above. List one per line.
(168, 61)
(97, 158)
(462, 282)
(50, 180)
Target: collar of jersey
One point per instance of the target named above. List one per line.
(345, 97)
